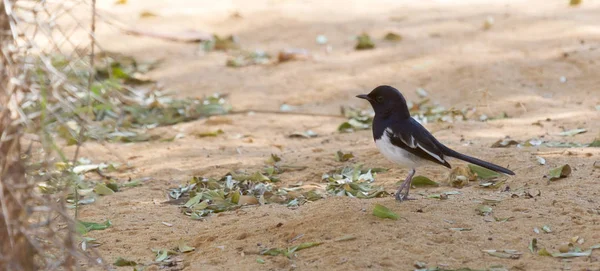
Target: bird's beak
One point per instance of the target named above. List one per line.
(363, 96)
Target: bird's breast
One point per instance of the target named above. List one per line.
(396, 154)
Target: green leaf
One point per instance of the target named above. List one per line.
(273, 159)
(595, 143)
(123, 262)
(85, 227)
(345, 127)
(544, 252)
(343, 157)
(533, 245)
(163, 254)
(260, 261)
(573, 132)
(210, 134)
(194, 200)
(272, 252)
(560, 172)
(546, 228)
(303, 246)
(103, 190)
(113, 186)
(422, 181)
(364, 42)
(383, 212)
(484, 210)
(183, 248)
(572, 254)
(391, 36)
(483, 173)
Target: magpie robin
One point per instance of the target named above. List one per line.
(404, 141)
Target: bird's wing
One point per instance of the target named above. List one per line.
(415, 139)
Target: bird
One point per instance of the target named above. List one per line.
(404, 141)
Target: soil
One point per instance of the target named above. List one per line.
(515, 66)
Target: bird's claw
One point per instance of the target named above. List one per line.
(400, 196)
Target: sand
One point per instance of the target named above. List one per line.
(514, 67)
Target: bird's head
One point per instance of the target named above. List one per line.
(386, 101)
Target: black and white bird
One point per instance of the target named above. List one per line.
(404, 141)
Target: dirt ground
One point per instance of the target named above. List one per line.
(514, 67)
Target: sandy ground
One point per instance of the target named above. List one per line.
(514, 67)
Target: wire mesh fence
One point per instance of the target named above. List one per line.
(46, 68)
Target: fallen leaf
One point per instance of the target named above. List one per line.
(544, 252)
(391, 36)
(488, 23)
(533, 245)
(83, 227)
(321, 39)
(147, 14)
(422, 181)
(541, 160)
(345, 238)
(422, 92)
(560, 172)
(123, 262)
(460, 229)
(343, 157)
(574, 2)
(572, 254)
(260, 261)
(292, 55)
(305, 134)
(364, 42)
(507, 253)
(85, 168)
(383, 212)
(504, 143)
(546, 228)
(573, 132)
(103, 190)
(248, 200)
(595, 143)
(210, 134)
(483, 173)
(120, 2)
(183, 248)
(460, 176)
(163, 254)
(484, 210)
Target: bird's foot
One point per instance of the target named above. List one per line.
(402, 196)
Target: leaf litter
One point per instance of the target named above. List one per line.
(203, 196)
(77, 179)
(124, 103)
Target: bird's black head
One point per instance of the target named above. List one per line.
(387, 101)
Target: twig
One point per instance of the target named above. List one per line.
(261, 111)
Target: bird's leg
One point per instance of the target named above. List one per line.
(402, 193)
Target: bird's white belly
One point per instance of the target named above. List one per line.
(397, 155)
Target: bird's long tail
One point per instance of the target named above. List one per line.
(473, 160)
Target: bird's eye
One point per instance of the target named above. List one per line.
(379, 99)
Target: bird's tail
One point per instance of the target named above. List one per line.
(473, 160)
